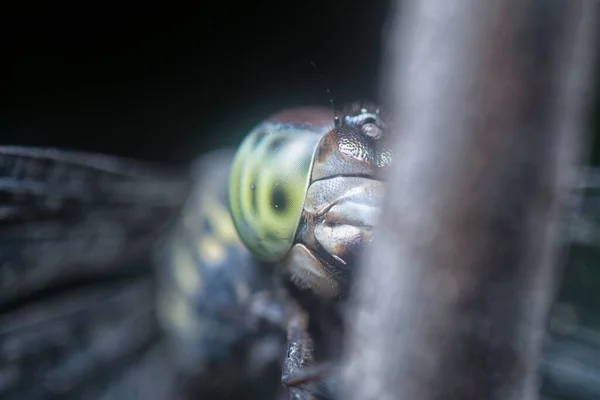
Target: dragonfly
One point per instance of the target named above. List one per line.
(122, 280)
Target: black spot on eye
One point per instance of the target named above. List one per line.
(275, 144)
(279, 200)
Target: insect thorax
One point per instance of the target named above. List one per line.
(342, 203)
(208, 279)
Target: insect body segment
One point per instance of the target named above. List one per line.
(269, 179)
(209, 283)
(342, 202)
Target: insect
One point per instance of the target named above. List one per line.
(253, 254)
(303, 195)
(215, 301)
(305, 191)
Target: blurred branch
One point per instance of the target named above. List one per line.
(490, 102)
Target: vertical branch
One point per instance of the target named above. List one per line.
(489, 99)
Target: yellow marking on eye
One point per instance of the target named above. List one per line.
(187, 275)
(212, 251)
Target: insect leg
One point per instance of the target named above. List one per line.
(296, 375)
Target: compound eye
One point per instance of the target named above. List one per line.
(278, 203)
(268, 184)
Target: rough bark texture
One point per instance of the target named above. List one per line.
(489, 100)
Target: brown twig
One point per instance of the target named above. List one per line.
(489, 99)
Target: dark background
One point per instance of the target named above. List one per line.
(166, 84)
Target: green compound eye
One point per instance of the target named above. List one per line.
(268, 183)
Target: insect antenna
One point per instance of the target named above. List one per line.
(336, 119)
